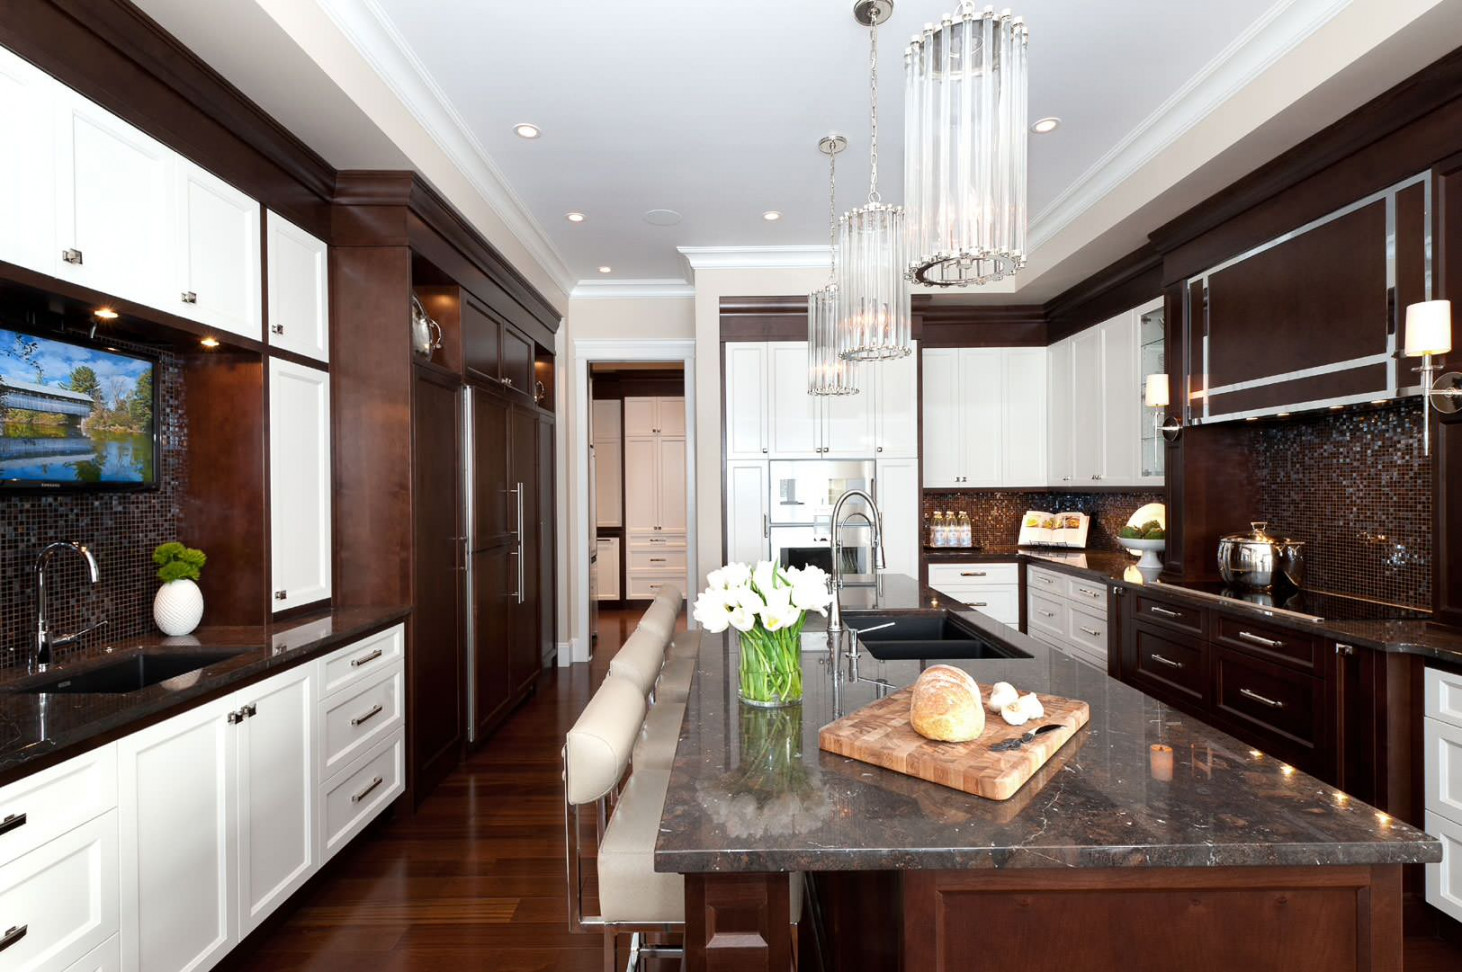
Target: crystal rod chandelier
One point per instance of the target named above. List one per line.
(873, 291)
(965, 148)
(828, 373)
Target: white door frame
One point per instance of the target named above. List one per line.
(585, 354)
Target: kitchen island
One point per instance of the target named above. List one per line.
(1200, 853)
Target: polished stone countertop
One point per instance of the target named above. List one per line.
(39, 730)
(750, 790)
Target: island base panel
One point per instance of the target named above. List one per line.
(737, 922)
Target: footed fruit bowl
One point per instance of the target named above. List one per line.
(1150, 550)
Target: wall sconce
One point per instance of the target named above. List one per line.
(1428, 334)
(1155, 396)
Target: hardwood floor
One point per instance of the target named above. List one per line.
(476, 880)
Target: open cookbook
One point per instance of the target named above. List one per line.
(1038, 529)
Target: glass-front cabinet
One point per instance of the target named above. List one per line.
(1151, 360)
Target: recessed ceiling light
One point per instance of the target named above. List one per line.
(105, 313)
(605, 269)
(574, 216)
(662, 217)
(209, 342)
(1045, 126)
(771, 215)
(525, 130)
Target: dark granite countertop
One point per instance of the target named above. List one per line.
(751, 791)
(39, 730)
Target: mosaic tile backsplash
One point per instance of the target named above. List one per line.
(1356, 487)
(120, 528)
(995, 516)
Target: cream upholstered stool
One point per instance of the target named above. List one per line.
(664, 612)
(640, 658)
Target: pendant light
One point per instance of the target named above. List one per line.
(965, 148)
(827, 372)
(873, 292)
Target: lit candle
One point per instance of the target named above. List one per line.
(1161, 761)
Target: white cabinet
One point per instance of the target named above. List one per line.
(608, 464)
(894, 385)
(747, 524)
(943, 418)
(1024, 420)
(299, 292)
(793, 416)
(896, 488)
(218, 253)
(747, 397)
(607, 567)
(114, 203)
(1096, 417)
(1060, 444)
(984, 417)
(1069, 613)
(980, 436)
(106, 957)
(990, 588)
(27, 176)
(299, 483)
(60, 901)
(654, 484)
(654, 416)
(1442, 732)
(1121, 401)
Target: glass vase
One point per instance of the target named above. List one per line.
(771, 665)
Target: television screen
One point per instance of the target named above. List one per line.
(75, 416)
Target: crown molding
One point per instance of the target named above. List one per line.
(372, 34)
(661, 288)
(1268, 39)
(808, 257)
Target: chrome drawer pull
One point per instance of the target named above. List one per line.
(972, 573)
(1341, 648)
(1164, 612)
(11, 822)
(1047, 614)
(357, 797)
(1094, 634)
(1259, 698)
(14, 934)
(365, 659)
(1167, 661)
(979, 604)
(657, 560)
(1044, 580)
(1266, 642)
(1091, 594)
(375, 710)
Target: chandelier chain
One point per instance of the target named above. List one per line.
(873, 196)
(832, 215)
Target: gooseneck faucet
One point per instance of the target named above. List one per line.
(875, 519)
(45, 641)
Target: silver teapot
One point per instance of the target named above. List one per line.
(1257, 560)
(426, 334)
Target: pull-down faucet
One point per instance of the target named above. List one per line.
(45, 641)
(875, 519)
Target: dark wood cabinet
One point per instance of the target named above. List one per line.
(547, 542)
(1168, 665)
(517, 361)
(494, 576)
(494, 509)
(526, 659)
(1280, 711)
(495, 350)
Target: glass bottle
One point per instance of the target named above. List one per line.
(966, 530)
(935, 525)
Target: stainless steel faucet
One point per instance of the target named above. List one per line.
(875, 519)
(45, 641)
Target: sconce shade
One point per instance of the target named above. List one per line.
(1429, 328)
(1155, 395)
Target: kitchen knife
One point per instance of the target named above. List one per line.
(1021, 740)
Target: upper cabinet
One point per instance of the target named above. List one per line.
(299, 483)
(1151, 360)
(218, 253)
(984, 417)
(495, 349)
(654, 416)
(746, 387)
(299, 290)
(894, 387)
(27, 178)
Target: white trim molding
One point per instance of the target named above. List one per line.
(619, 289)
(816, 256)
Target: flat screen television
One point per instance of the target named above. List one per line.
(75, 416)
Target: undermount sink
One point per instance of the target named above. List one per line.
(933, 635)
(128, 674)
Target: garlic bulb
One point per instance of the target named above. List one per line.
(1014, 714)
(1031, 706)
(1001, 695)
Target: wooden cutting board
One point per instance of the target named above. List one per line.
(880, 734)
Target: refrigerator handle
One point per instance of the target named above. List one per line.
(519, 491)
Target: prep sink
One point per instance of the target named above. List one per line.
(933, 635)
(127, 674)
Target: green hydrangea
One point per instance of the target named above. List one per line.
(177, 562)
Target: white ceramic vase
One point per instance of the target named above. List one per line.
(178, 607)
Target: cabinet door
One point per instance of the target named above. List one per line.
(114, 198)
(896, 489)
(1059, 417)
(27, 178)
(494, 602)
(64, 895)
(848, 422)
(177, 823)
(1088, 423)
(943, 448)
(670, 416)
(640, 416)
(492, 504)
(608, 569)
(672, 484)
(982, 405)
(747, 496)
(299, 483)
(746, 401)
(1121, 402)
(641, 482)
(482, 340)
(218, 278)
(517, 365)
(896, 408)
(1025, 417)
(1152, 360)
(525, 659)
(276, 793)
(299, 290)
(792, 414)
(609, 482)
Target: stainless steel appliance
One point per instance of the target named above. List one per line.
(803, 495)
(1257, 560)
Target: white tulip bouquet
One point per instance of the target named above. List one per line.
(767, 604)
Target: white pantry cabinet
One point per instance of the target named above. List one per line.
(748, 529)
(654, 416)
(984, 417)
(299, 483)
(747, 397)
(27, 178)
(299, 289)
(218, 253)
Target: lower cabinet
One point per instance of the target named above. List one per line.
(1067, 612)
(59, 902)
(1442, 731)
(990, 588)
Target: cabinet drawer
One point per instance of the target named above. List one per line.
(1168, 613)
(643, 588)
(359, 661)
(973, 575)
(60, 901)
(1000, 603)
(645, 540)
(1046, 614)
(1171, 663)
(45, 805)
(1443, 768)
(1040, 579)
(354, 798)
(1276, 644)
(652, 559)
(1090, 596)
(106, 957)
(1444, 696)
(1284, 707)
(1444, 880)
(355, 720)
(1087, 630)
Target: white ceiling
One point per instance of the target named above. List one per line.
(714, 110)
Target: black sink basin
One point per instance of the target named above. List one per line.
(127, 674)
(933, 635)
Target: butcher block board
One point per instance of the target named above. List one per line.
(880, 734)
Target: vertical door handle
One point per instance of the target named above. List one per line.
(521, 592)
(766, 527)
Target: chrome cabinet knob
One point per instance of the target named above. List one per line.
(72, 256)
(189, 297)
(276, 328)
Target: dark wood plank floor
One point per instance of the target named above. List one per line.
(476, 879)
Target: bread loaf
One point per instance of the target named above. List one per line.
(946, 705)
